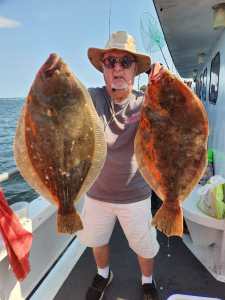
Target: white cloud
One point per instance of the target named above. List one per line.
(8, 23)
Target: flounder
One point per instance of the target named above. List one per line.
(171, 145)
(59, 145)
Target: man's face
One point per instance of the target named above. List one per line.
(119, 70)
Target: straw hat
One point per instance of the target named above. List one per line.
(120, 40)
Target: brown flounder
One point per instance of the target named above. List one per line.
(171, 145)
(59, 145)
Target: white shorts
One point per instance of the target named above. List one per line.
(135, 219)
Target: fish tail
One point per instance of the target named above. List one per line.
(169, 220)
(69, 223)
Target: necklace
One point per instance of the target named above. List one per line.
(113, 113)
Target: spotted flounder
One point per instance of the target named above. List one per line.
(171, 145)
(59, 145)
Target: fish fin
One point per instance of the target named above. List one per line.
(155, 73)
(100, 151)
(69, 223)
(169, 220)
(23, 160)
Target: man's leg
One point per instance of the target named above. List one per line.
(101, 255)
(146, 265)
(104, 275)
(98, 221)
(135, 219)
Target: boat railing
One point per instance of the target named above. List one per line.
(8, 175)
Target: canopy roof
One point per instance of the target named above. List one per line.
(187, 26)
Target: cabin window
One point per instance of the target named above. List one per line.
(200, 87)
(214, 79)
(204, 84)
(197, 87)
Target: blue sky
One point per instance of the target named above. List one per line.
(32, 29)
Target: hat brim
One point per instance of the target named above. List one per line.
(95, 56)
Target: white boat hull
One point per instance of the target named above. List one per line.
(47, 251)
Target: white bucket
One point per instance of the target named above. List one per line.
(189, 297)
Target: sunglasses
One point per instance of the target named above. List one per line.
(125, 61)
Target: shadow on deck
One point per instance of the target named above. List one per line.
(176, 271)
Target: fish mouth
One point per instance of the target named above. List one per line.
(51, 65)
(156, 72)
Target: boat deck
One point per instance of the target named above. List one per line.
(177, 271)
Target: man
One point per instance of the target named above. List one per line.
(119, 192)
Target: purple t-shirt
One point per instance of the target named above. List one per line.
(120, 180)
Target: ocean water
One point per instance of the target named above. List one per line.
(15, 189)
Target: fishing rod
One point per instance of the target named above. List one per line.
(110, 9)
